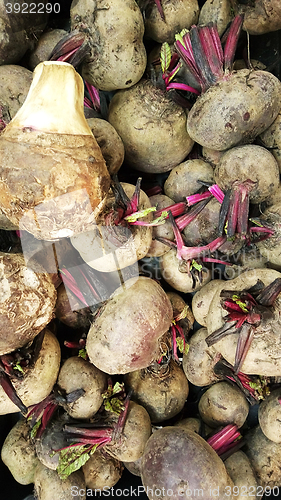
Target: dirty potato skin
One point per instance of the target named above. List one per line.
(249, 162)
(124, 337)
(178, 459)
(77, 373)
(178, 14)
(216, 11)
(162, 393)
(270, 416)
(118, 56)
(227, 115)
(156, 249)
(151, 126)
(39, 380)
(183, 179)
(27, 301)
(135, 434)
(18, 453)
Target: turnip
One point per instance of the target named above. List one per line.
(109, 141)
(184, 179)
(38, 380)
(202, 299)
(225, 115)
(271, 139)
(255, 338)
(270, 248)
(269, 416)
(223, 404)
(14, 80)
(111, 63)
(136, 431)
(18, 453)
(115, 243)
(143, 112)
(110, 344)
(27, 302)
(175, 15)
(217, 12)
(241, 472)
(181, 462)
(249, 162)
(18, 29)
(77, 373)
(48, 485)
(45, 45)
(71, 315)
(65, 195)
(102, 471)
(161, 390)
(262, 16)
(264, 456)
(198, 364)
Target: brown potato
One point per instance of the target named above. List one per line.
(270, 416)
(241, 472)
(262, 17)
(46, 43)
(14, 83)
(202, 299)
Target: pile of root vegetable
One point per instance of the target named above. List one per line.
(140, 248)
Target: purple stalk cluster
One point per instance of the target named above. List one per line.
(201, 50)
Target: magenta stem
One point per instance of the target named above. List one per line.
(176, 209)
(195, 198)
(217, 192)
(261, 230)
(182, 86)
(231, 42)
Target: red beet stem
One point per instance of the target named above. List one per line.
(195, 198)
(176, 209)
(174, 342)
(270, 293)
(243, 345)
(201, 57)
(9, 389)
(182, 86)
(209, 42)
(134, 201)
(187, 218)
(227, 434)
(94, 95)
(160, 9)
(231, 42)
(217, 192)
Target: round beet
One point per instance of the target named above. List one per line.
(178, 463)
